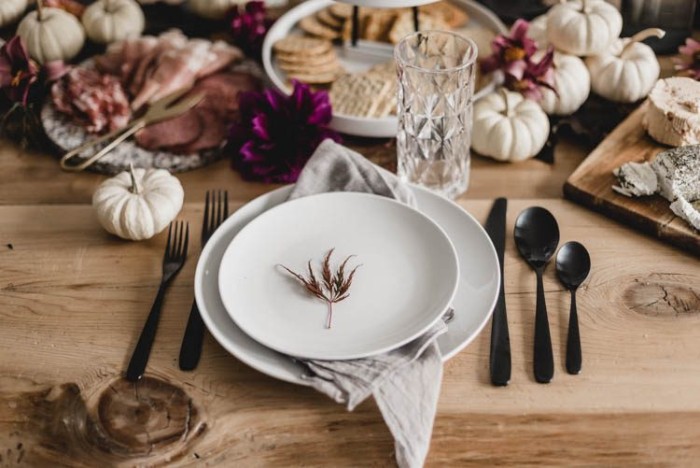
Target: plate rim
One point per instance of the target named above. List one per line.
(276, 371)
(365, 199)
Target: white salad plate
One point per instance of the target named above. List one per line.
(407, 275)
(385, 127)
(473, 303)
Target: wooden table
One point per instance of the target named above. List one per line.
(74, 300)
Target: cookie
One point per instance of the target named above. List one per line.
(325, 17)
(301, 44)
(403, 26)
(312, 26)
(453, 16)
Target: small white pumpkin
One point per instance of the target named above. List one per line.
(572, 82)
(108, 21)
(538, 31)
(583, 27)
(212, 9)
(508, 127)
(51, 34)
(11, 10)
(628, 70)
(139, 203)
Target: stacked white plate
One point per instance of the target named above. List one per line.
(414, 266)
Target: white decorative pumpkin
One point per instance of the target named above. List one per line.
(538, 31)
(573, 85)
(51, 34)
(139, 203)
(212, 9)
(108, 21)
(508, 127)
(628, 70)
(11, 10)
(583, 27)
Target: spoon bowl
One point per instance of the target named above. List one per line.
(573, 265)
(537, 236)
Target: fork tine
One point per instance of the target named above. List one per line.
(170, 235)
(165, 101)
(173, 244)
(205, 223)
(179, 239)
(212, 212)
(187, 241)
(225, 205)
(220, 209)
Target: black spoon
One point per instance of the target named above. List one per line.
(573, 266)
(537, 237)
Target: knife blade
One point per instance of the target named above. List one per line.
(499, 362)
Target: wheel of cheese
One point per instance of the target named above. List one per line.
(673, 112)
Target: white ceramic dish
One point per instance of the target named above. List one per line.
(476, 294)
(386, 127)
(407, 276)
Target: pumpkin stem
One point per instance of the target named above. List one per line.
(39, 10)
(645, 34)
(504, 93)
(134, 185)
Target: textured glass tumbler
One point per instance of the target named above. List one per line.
(436, 85)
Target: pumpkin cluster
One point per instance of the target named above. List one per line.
(588, 55)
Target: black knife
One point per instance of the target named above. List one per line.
(500, 339)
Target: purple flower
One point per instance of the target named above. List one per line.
(18, 73)
(277, 134)
(249, 25)
(688, 64)
(509, 52)
(531, 77)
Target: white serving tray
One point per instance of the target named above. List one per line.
(385, 127)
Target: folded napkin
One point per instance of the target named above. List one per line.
(405, 382)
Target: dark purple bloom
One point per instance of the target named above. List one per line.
(533, 76)
(18, 73)
(277, 134)
(509, 52)
(688, 64)
(249, 25)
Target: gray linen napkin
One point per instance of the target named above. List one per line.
(405, 382)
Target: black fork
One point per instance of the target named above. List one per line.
(215, 213)
(174, 258)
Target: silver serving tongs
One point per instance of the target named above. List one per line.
(157, 112)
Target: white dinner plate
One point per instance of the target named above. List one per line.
(480, 17)
(406, 277)
(476, 294)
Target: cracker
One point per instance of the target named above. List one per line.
(315, 78)
(326, 18)
(403, 26)
(307, 59)
(303, 69)
(359, 95)
(377, 26)
(314, 27)
(341, 10)
(301, 44)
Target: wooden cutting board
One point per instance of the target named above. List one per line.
(591, 186)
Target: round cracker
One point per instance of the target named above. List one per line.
(302, 44)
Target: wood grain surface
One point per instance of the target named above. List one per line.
(591, 185)
(74, 300)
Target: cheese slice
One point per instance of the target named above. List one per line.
(673, 112)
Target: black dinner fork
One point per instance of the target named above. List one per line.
(174, 258)
(215, 213)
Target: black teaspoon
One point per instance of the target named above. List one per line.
(573, 266)
(537, 237)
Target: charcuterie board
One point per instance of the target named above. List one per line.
(591, 185)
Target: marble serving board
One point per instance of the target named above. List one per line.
(591, 185)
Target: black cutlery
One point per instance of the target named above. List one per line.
(499, 364)
(174, 258)
(537, 237)
(215, 213)
(573, 265)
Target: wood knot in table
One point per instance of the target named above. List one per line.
(662, 295)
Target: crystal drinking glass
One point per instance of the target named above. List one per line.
(436, 86)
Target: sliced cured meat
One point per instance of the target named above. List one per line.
(167, 42)
(214, 131)
(221, 91)
(220, 56)
(180, 131)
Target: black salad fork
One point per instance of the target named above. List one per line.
(173, 260)
(215, 213)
